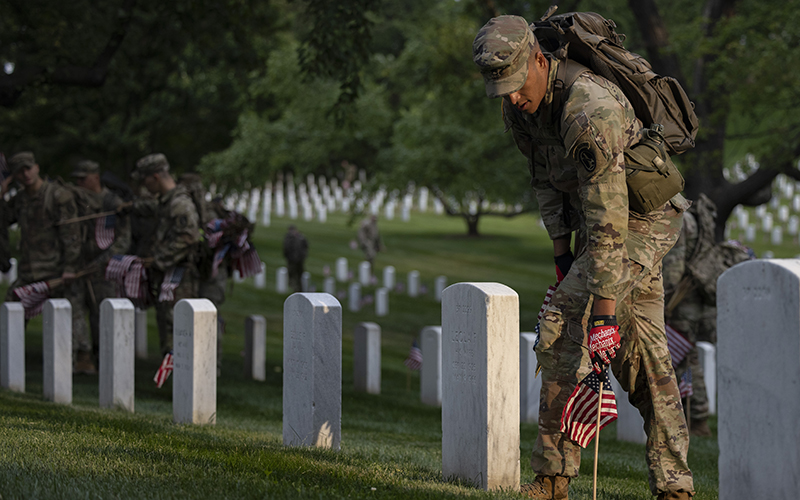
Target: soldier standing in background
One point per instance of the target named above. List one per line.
(691, 270)
(103, 237)
(369, 239)
(49, 249)
(295, 250)
(608, 305)
(173, 271)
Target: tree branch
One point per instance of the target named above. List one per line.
(656, 39)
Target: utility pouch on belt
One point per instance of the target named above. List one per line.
(651, 176)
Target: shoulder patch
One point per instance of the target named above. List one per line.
(585, 156)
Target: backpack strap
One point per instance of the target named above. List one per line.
(567, 74)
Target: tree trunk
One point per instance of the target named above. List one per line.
(472, 224)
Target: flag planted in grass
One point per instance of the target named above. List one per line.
(164, 370)
(414, 359)
(579, 418)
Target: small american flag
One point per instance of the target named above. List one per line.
(414, 359)
(219, 256)
(164, 370)
(104, 231)
(32, 297)
(678, 345)
(129, 274)
(579, 418)
(547, 298)
(249, 264)
(685, 385)
(171, 281)
(214, 232)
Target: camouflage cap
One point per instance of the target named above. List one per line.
(85, 167)
(22, 159)
(501, 49)
(151, 164)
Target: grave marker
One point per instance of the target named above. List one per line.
(530, 384)
(439, 285)
(354, 297)
(282, 280)
(194, 379)
(758, 373)
(388, 277)
(430, 373)
(480, 385)
(57, 350)
(255, 347)
(341, 269)
(312, 370)
(12, 346)
(382, 302)
(329, 285)
(630, 424)
(367, 358)
(413, 283)
(117, 353)
(707, 354)
(364, 273)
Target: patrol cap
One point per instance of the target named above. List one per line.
(501, 49)
(20, 160)
(150, 164)
(85, 167)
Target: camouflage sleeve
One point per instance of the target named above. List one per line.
(183, 235)
(674, 264)
(596, 129)
(551, 201)
(68, 234)
(144, 207)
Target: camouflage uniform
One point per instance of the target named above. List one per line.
(177, 235)
(574, 144)
(295, 250)
(48, 250)
(369, 239)
(96, 287)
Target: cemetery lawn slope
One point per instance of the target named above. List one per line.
(391, 443)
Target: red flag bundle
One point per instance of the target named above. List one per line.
(678, 345)
(171, 281)
(414, 359)
(104, 231)
(579, 418)
(249, 264)
(129, 274)
(164, 370)
(32, 297)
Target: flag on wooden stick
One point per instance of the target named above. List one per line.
(579, 418)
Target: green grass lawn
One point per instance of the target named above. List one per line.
(391, 444)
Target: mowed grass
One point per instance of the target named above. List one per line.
(391, 443)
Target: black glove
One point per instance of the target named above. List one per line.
(563, 263)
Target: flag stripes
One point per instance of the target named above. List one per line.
(579, 417)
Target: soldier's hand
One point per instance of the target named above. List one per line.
(563, 265)
(604, 341)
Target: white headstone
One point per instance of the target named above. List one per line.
(329, 285)
(341, 269)
(305, 281)
(354, 297)
(413, 283)
(194, 379)
(439, 285)
(364, 273)
(783, 213)
(237, 276)
(367, 358)
(388, 277)
(430, 373)
(777, 235)
(12, 346)
(423, 199)
(438, 207)
(312, 370)
(12, 272)
(766, 222)
(758, 373)
(707, 355)
(57, 350)
(794, 225)
(255, 347)
(480, 385)
(261, 278)
(282, 280)
(280, 208)
(405, 213)
(117, 353)
(630, 424)
(530, 385)
(750, 232)
(796, 203)
(140, 333)
(382, 302)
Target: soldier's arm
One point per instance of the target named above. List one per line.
(68, 234)
(594, 132)
(145, 207)
(182, 238)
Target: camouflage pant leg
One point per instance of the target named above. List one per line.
(97, 290)
(213, 289)
(688, 318)
(75, 293)
(644, 369)
(187, 289)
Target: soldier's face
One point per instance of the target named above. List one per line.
(529, 97)
(27, 175)
(151, 183)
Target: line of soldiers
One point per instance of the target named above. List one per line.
(70, 232)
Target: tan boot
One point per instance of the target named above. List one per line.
(700, 428)
(83, 364)
(547, 488)
(674, 495)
